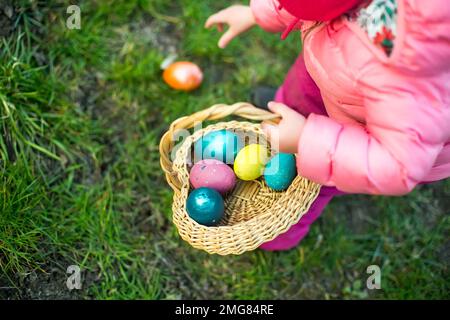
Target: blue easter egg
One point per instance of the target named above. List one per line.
(205, 205)
(280, 171)
(221, 145)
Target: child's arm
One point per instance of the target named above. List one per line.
(407, 124)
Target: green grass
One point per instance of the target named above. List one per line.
(82, 112)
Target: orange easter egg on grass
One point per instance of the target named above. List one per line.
(183, 75)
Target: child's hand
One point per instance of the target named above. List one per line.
(239, 18)
(287, 133)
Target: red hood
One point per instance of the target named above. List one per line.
(318, 10)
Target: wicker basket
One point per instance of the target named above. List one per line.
(254, 213)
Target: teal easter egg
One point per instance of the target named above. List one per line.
(222, 145)
(205, 206)
(280, 171)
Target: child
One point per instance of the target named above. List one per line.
(367, 105)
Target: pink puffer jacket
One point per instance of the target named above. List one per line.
(389, 116)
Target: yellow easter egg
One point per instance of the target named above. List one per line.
(250, 161)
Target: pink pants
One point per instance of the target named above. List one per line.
(301, 93)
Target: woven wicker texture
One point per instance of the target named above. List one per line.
(254, 213)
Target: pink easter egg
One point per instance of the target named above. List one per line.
(212, 174)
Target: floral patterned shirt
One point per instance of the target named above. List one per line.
(378, 18)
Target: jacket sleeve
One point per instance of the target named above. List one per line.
(269, 17)
(407, 121)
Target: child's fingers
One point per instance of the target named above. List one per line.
(226, 38)
(272, 132)
(210, 21)
(274, 107)
(214, 19)
(279, 108)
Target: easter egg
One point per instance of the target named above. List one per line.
(183, 75)
(205, 206)
(250, 161)
(280, 171)
(222, 145)
(213, 174)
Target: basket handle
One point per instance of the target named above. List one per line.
(218, 111)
